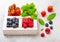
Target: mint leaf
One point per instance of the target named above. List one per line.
(42, 29)
(24, 8)
(51, 16)
(41, 21)
(33, 17)
(24, 14)
(32, 5)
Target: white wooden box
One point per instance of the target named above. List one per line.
(19, 30)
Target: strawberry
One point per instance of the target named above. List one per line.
(47, 30)
(43, 13)
(42, 35)
(15, 10)
(9, 13)
(18, 11)
(50, 8)
(14, 5)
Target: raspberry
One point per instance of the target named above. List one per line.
(30, 19)
(30, 24)
(25, 20)
(47, 30)
(24, 25)
(42, 35)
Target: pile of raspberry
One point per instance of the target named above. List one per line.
(27, 22)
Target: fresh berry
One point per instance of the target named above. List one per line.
(14, 11)
(30, 24)
(14, 25)
(46, 24)
(27, 22)
(43, 13)
(50, 8)
(18, 12)
(24, 20)
(47, 31)
(8, 19)
(42, 35)
(10, 13)
(14, 22)
(14, 6)
(24, 25)
(51, 27)
(50, 22)
(8, 25)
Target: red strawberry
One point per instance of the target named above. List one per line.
(43, 13)
(14, 5)
(50, 8)
(47, 30)
(10, 13)
(18, 11)
(42, 35)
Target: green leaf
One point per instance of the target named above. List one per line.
(24, 14)
(51, 16)
(42, 29)
(24, 8)
(41, 21)
(32, 5)
(33, 17)
(35, 14)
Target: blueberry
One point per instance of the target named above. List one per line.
(14, 25)
(13, 20)
(51, 27)
(9, 25)
(46, 24)
(50, 22)
(8, 19)
(17, 20)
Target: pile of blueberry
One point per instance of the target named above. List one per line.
(12, 22)
(50, 23)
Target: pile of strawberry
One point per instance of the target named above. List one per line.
(49, 18)
(27, 22)
(14, 11)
